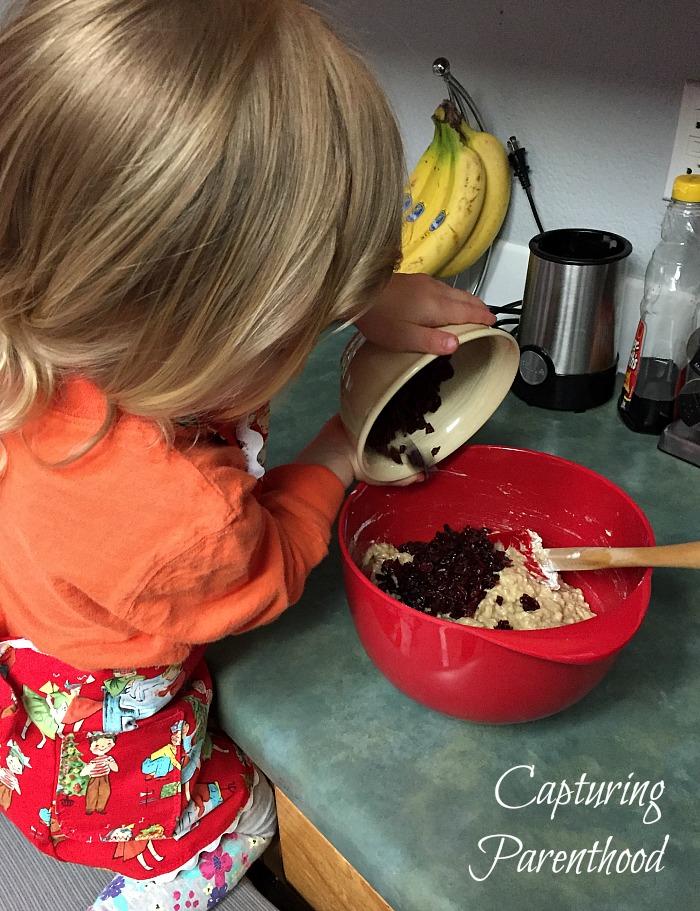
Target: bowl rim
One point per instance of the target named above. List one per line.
(578, 644)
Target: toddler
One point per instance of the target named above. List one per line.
(191, 191)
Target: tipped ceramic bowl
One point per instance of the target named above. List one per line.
(485, 365)
(489, 675)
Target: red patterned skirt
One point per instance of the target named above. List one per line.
(116, 769)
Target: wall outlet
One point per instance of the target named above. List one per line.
(685, 158)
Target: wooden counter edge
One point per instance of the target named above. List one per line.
(318, 872)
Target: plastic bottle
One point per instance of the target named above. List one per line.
(657, 363)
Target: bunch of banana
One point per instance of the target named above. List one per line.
(456, 199)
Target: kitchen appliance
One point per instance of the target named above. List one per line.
(682, 437)
(567, 325)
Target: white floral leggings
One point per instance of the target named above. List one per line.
(212, 876)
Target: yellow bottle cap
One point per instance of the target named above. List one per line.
(686, 188)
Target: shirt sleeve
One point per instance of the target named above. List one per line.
(249, 570)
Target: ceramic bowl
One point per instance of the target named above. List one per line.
(485, 365)
(489, 675)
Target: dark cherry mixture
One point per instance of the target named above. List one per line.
(448, 575)
(406, 411)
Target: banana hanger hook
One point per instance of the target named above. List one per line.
(461, 97)
(458, 94)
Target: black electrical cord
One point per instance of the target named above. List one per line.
(512, 308)
(507, 314)
(517, 157)
(500, 323)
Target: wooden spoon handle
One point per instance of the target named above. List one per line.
(578, 558)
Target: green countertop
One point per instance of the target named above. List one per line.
(408, 795)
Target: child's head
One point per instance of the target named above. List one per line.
(189, 193)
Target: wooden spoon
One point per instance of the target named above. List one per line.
(574, 559)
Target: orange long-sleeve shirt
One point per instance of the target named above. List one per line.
(135, 553)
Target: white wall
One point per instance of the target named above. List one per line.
(591, 88)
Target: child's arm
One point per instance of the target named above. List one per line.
(407, 312)
(245, 575)
(254, 561)
(333, 449)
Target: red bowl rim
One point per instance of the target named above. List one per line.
(575, 643)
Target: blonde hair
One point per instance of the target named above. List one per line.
(189, 194)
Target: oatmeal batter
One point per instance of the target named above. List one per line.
(518, 600)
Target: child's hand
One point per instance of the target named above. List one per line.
(334, 449)
(408, 310)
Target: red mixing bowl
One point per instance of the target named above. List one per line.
(486, 675)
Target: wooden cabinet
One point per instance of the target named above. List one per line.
(318, 872)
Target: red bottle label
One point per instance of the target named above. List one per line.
(630, 380)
